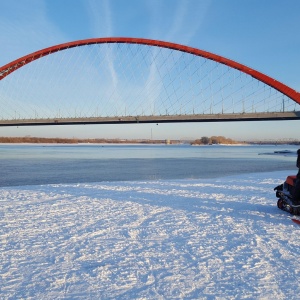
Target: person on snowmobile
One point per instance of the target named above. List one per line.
(296, 192)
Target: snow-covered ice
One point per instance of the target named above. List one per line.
(171, 239)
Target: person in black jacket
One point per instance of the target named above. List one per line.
(296, 193)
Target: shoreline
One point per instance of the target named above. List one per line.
(116, 141)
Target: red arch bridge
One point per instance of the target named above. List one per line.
(131, 80)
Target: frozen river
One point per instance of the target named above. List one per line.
(44, 164)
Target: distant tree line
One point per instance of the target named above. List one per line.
(36, 140)
(214, 140)
(39, 140)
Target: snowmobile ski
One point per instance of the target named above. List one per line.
(297, 221)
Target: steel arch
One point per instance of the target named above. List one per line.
(279, 86)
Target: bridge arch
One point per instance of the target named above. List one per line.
(131, 80)
(279, 86)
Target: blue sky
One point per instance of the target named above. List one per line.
(261, 34)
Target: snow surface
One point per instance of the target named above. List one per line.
(171, 239)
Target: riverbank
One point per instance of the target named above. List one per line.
(40, 140)
(209, 141)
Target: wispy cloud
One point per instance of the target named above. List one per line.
(25, 29)
(100, 17)
(200, 12)
(180, 22)
(102, 26)
(155, 10)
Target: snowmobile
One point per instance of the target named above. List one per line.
(284, 194)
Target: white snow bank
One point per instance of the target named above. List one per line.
(193, 239)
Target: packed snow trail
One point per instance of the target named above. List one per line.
(192, 239)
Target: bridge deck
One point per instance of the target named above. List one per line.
(157, 119)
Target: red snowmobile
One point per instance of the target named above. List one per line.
(284, 194)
